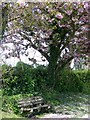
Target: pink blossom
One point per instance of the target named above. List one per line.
(80, 10)
(69, 12)
(21, 3)
(84, 19)
(59, 16)
(85, 5)
(74, 5)
(63, 25)
(51, 20)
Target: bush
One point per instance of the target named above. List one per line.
(84, 76)
(37, 75)
(40, 75)
(69, 82)
(23, 78)
(26, 79)
(10, 104)
(73, 81)
(17, 79)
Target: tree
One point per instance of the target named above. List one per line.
(56, 30)
(4, 20)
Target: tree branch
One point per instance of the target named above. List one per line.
(34, 46)
(62, 64)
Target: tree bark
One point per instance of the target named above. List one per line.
(52, 64)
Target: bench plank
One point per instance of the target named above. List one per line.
(33, 105)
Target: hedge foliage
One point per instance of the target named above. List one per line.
(25, 79)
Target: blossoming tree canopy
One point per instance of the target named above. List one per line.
(57, 30)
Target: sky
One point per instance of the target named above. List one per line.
(32, 54)
(13, 60)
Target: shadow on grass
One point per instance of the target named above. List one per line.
(76, 104)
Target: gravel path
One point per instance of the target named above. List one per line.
(71, 106)
(86, 116)
(51, 115)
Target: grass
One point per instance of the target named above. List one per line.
(8, 115)
(76, 104)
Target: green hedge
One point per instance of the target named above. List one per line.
(69, 82)
(73, 81)
(84, 76)
(16, 80)
(23, 79)
(26, 79)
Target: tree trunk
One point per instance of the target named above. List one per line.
(55, 66)
(52, 74)
(52, 64)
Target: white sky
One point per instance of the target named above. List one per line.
(13, 60)
(32, 54)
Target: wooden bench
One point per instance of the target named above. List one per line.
(32, 106)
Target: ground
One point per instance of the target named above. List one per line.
(63, 116)
(66, 105)
(71, 106)
(8, 115)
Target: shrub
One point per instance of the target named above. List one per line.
(17, 80)
(84, 76)
(69, 82)
(73, 81)
(9, 104)
(40, 75)
(23, 78)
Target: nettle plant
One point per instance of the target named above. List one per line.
(59, 31)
